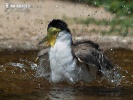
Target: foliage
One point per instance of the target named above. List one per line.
(119, 7)
(123, 9)
(120, 26)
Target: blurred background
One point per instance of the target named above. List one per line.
(23, 27)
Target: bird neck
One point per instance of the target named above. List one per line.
(65, 37)
(61, 54)
(62, 47)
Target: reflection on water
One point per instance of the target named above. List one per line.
(18, 81)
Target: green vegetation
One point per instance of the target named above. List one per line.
(119, 7)
(118, 26)
(122, 24)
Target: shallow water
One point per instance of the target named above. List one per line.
(18, 81)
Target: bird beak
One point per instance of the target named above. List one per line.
(51, 36)
(43, 40)
(50, 39)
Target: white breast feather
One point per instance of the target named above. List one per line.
(63, 65)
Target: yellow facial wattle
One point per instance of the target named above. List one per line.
(52, 41)
(51, 36)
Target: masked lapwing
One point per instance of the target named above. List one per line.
(72, 62)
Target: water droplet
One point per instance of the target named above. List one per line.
(24, 70)
(121, 18)
(126, 71)
(43, 18)
(9, 46)
(33, 66)
(4, 69)
(1, 66)
(39, 85)
(112, 81)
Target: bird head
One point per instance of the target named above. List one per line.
(53, 29)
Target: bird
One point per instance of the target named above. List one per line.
(69, 61)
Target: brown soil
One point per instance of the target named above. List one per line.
(23, 30)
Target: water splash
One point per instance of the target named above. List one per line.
(113, 76)
(42, 69)
(20, 65)
(33, 65)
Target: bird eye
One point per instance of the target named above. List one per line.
(55, 33)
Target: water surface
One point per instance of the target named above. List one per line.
(18, 81)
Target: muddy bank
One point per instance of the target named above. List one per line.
(105, 42)
(110, 42)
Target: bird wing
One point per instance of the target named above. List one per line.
(88, 52)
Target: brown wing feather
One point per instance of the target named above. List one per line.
(89, 53)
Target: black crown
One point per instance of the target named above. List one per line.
(58, 24)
